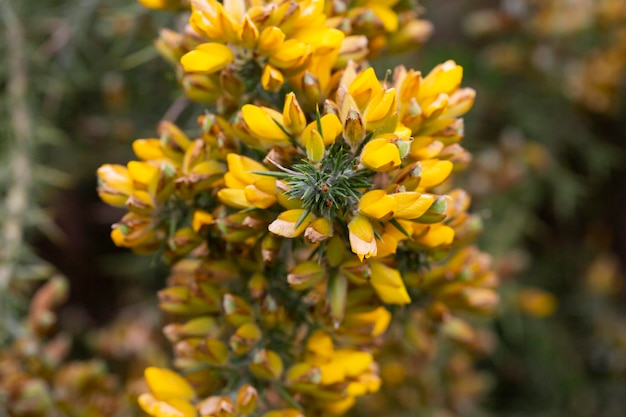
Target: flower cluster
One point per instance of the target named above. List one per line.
(236, 50)
(315, 196)
(36, 377)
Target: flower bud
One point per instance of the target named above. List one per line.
(353, 127)
(337, 297)
(198, 327)
(293, 116)
(203, 88)
(411, 33)
(247, 399)
(211, 351)
(266, 364)
(216, 406)
(305, 275)
(114, 184)
(237, 310)
(173, 141)
(245, 338)
(271, 78)
(319, 230)
(169, 45)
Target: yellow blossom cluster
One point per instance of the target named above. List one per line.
(314, 195)
(231, 48)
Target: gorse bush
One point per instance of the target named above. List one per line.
(311, 221)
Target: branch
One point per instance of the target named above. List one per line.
(20, 179)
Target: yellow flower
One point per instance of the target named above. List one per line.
(286, 224)
(380, 109)
(207, 58)
(264, 123)
(388, 284)
(162, 4)
(244, 188)
(373, 322)
(165, 384)
(294, 119)
(438, 235)
(170, 394)
(377, 204)
(271, 78)
(381, 155)
(411, 205)
(281, 37)
(362, 239)
(114, 184)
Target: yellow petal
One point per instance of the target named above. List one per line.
(165, 384)
(148, 149)
(200, 219)
(290, 54)
(378, 319)
(380, 108)
(262, 122)
(319, 347)
(142, 172)
(387, 245)
(443, 79)
(338, 408)
(438, 235)
(260, 194)
(270, 39)
(354, 362)
(377, 204)
(380, 155)
(434, 172)
(331, 128)
(235, 8)
(242, 168)
(387, 16)
(234, 198)
(388, 284)
(425, 147)
(207, 58)
(331, 373)
(364, 87)
(411, 205)
(315, 147)
(249, 33)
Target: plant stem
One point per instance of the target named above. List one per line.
(20, 179)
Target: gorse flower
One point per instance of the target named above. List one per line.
(315, 195)
(273, 40)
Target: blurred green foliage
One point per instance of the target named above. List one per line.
(547, 178)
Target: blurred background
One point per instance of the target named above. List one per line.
(82, 80)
